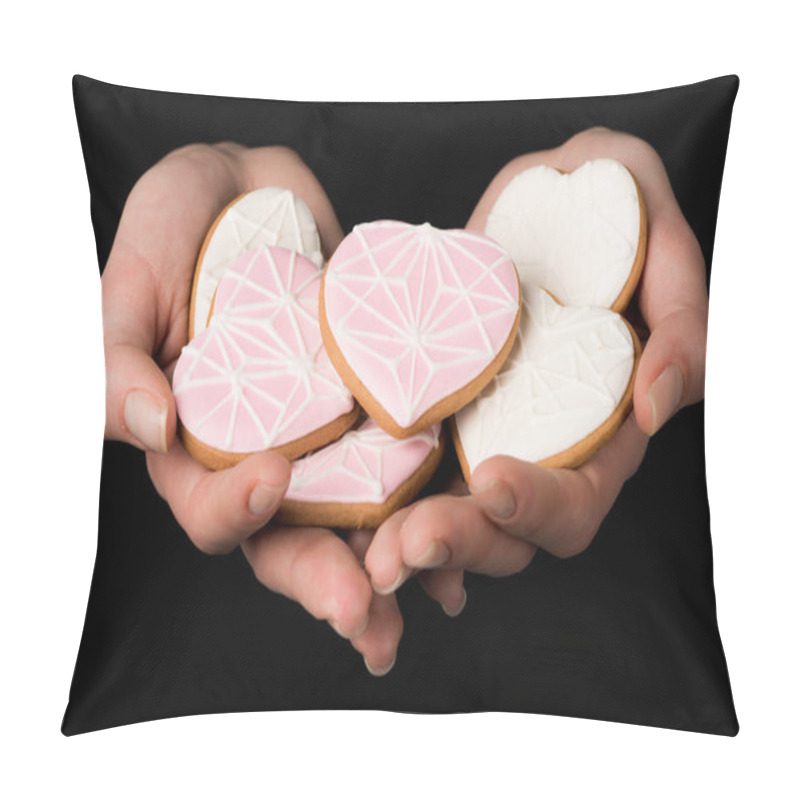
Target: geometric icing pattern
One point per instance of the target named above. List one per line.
(576, 234)
(267, 217)
(566, 374)
(258, 376)
(365, 466)
(417, 313)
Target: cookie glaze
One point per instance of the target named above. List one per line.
(567, 374)
(269, 216)
(417, 313)
(578, 235)
(366, 465)
(258, 376)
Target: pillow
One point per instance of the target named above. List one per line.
(626, 631)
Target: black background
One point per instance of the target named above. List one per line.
(627, 631)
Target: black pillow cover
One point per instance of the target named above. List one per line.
(626, 631)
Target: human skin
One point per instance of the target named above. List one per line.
(145, 292)
(511, 508)
(495, 525)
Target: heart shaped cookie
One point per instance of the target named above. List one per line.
(258, 376)
(564, 391)
(360, 479)
(266, 217)
(417, 320)
(580, 235)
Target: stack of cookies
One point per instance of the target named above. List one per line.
(350, 371)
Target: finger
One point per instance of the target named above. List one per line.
(450, 533)
(383, 559)
(379, 642)
(446, 587)
(384, 563)
(559, 510)
(218, 510)
(674, 303)
(317, 569)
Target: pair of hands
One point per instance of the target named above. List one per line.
(510, 508)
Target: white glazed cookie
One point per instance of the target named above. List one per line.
(258, 376)
(580, 235)
(360, 479)
(269, 216)
(564, 390)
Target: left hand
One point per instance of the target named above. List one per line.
(512, 507)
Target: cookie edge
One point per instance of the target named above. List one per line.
(216, 459)
(199, 263)
(363, 515)
(579, 453)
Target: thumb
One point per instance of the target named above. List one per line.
(671, 372)
(140, 408)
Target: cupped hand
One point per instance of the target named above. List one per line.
(512, 507)
(146, 289)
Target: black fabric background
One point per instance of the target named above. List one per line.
(627, 631)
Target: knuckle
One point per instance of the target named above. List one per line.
(284, 153)
(591, 133)
(431, 518)
(228, 147)
(195, 150)
(586, 136)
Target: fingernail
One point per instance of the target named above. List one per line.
(379, 672)
(495, 497)
(454, 611)
(146, 419)
(262, 499)
(396, 584)
(665, 395)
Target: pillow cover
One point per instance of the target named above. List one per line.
(625, 631)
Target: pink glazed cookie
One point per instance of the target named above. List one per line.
(417, 320)
(258, 376)
(361, 479)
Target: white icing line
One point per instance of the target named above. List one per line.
(260, 354)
